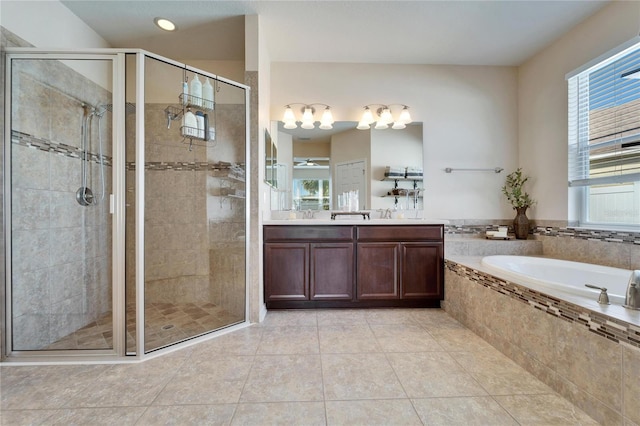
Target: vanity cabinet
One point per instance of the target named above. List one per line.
(400, 262)
(308, 264)
(353, 266)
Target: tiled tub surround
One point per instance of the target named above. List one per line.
(60, 250)
(589, 357)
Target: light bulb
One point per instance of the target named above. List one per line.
(290, 124)
(307, 119)
(381, 125)
(327, 119)
(385, 116)
(405, 117)
(367, 116)
(398, 125)
(363, 125)
(288, 115)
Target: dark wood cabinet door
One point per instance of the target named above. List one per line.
(421, 270)
(377, 270)
(331, 267)
(286, 271)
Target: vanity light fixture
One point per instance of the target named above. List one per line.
(308, 121)
(165, 24)
(385, 117)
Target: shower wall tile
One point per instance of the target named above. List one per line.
(66, 119)
(30, 292)
(67, 245)
(63, 324)
(72, 305)
(66, 173)
(67, 281)
(98, 240)
(65, 211)
(30, 209)
(30, 250)
(30, 331)
(30, 168)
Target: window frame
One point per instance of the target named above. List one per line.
(579, 147)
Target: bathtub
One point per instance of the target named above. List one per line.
(561, 276)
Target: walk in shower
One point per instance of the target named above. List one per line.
(124, 228)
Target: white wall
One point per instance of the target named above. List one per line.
(391, 144)
(469, 115)
(542, 101)
(49, 24)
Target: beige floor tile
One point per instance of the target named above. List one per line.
(284, 378)
(96, 416)
(184, 415)
(359, 376)
(342, 317)
(214, 380)
(347, 339)
(292, 318)
(280, 413)
(240, 342)
(289, 340)
(25, 417)
(547, 410)
(435, 319)
(459, 340)
(130, 384)
(510, 383)
(485, 361)
(404, 338)
(478, 411)
(433, 374)
(372, 412)
(50, 387)
(390, 316)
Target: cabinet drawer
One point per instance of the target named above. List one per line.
(400, 233)
(308, 233)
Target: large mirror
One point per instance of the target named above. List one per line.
(315, 166)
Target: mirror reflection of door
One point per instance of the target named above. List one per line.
(351, 176)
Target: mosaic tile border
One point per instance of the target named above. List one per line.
(624, 237)
(231, 170)
(610, 328)
(26, 140)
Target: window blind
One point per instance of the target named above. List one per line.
(604, 122)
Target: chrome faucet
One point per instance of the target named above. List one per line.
(308, 214)
(632, 299)
(387, 214)
(603, 299)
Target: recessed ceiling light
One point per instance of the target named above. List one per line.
(165, 24)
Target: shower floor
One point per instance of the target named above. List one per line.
(165, 323)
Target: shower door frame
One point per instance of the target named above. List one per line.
(116, 200)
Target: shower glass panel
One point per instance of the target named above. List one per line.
(194, 212)
(61, 178)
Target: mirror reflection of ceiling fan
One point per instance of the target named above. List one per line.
(320, 162)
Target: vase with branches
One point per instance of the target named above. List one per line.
(520, 200)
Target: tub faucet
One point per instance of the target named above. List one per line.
(603, 298)
(632, 299)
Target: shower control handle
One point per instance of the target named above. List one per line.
(603, 299)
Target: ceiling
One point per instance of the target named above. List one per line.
(358, 31)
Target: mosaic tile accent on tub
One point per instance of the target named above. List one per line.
(610, 328)
(553, 231)
(29, 141)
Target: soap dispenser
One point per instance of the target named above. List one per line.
(207, 94)
(196, 91)
(189, 124)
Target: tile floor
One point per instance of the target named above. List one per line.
(351, 367)
(165, 323)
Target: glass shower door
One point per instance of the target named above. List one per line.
(194, 205)
(60, 160)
